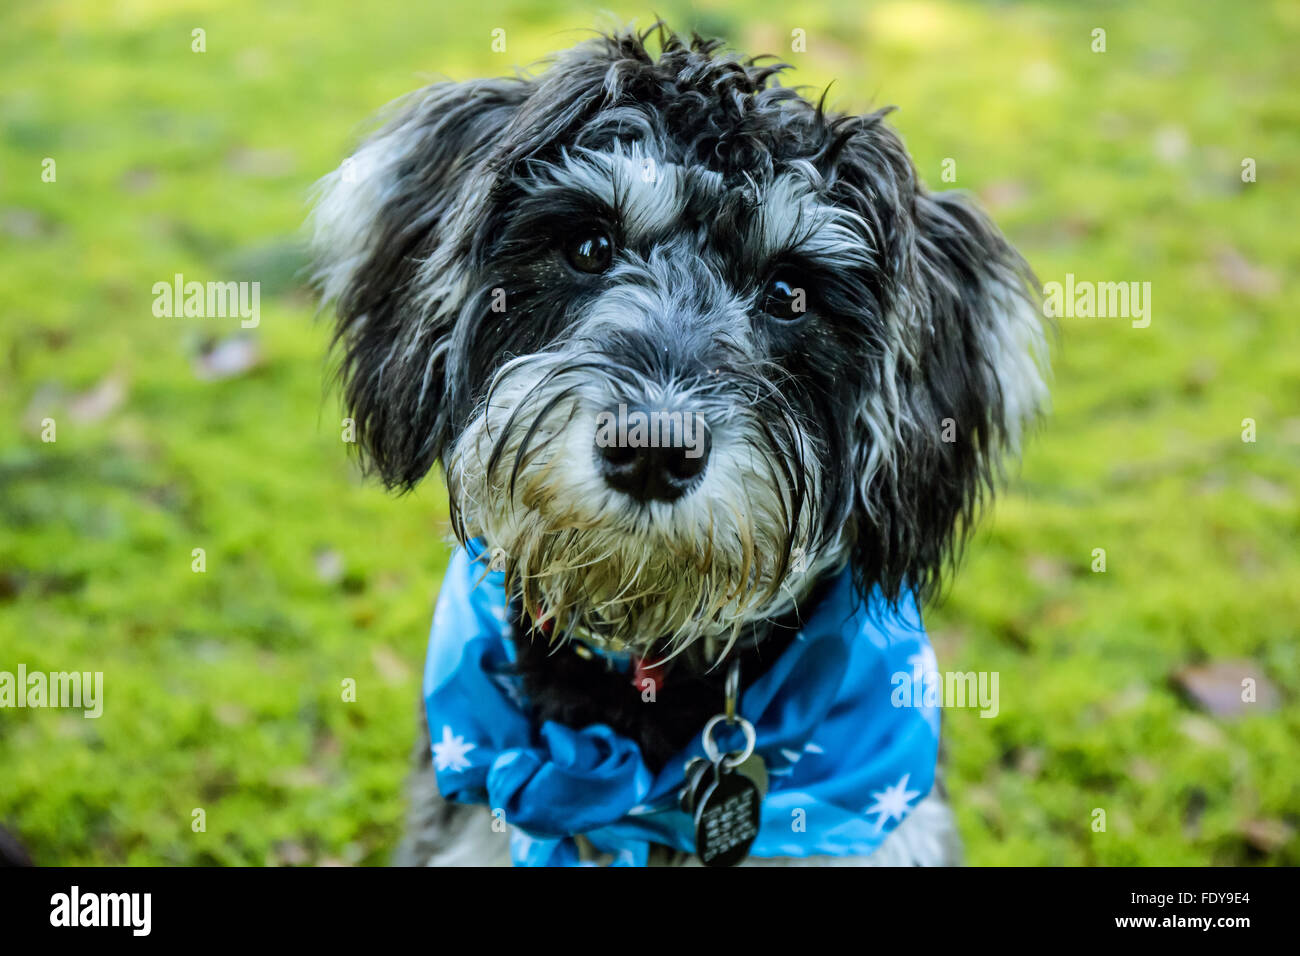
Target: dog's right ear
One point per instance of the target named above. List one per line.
(387, 236)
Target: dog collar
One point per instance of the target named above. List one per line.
(591, 646)
(845, 763)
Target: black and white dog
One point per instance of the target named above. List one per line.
(517, 263)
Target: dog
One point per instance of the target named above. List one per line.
(834, 364)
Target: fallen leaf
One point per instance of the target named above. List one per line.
(290, 853)
(1267, 836)
(1239, 274)
(228, 358)
(25, 224)
(391, 668)
(1218, 688)
(329, 565)
(98, 402)
(1047, 570)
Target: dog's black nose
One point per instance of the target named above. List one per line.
(651, 454)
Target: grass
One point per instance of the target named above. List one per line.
(223, 688)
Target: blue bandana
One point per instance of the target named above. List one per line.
(847, 758)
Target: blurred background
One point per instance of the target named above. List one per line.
(1120, 689)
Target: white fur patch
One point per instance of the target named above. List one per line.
(792, 218)
(645, 192)
(1017, 347)
(347, 204)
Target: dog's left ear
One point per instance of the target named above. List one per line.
(962, 372)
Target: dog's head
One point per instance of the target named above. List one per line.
(682, 340)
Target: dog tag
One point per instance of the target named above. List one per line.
(726, 816)
(755, 768)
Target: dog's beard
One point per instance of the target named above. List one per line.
(734, 549)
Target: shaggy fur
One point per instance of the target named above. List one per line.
(862, 428)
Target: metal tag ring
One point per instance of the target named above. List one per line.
(711, 749)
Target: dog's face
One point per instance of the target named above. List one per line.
(682, 340)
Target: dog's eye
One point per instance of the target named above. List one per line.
(591, 253)
(785, 298)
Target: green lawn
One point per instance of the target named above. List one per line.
(223, 688)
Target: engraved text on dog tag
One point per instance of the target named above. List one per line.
(726, 819)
